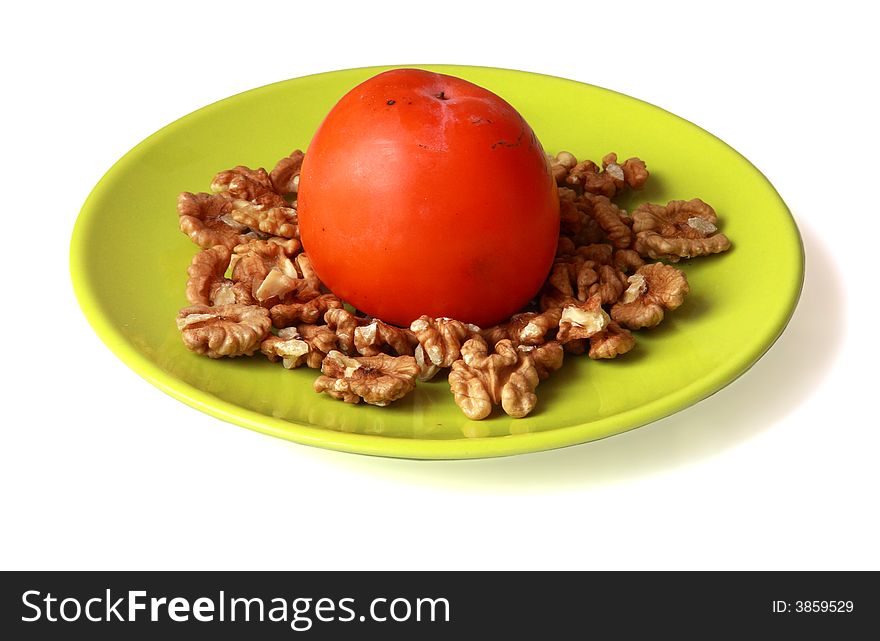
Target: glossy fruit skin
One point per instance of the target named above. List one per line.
(423, 193)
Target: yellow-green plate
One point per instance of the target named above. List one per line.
(128, 262)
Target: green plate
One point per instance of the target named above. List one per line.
(128, 263)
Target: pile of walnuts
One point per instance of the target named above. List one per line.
(252, 289)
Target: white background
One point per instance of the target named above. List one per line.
(780, 470)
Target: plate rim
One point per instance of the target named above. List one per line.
(390, 446)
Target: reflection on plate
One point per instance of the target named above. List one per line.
(128, 262)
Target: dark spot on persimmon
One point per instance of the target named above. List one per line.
(390, 102)
(516, 143)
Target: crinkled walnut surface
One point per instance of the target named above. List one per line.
(377, 337)
(679, 229)
(223, 330)
(310, 311)
(439, 343)
(508, 376)
(652, 289)
(208, 285)
(285, 176)
(252, 274)
(243, 183)
(377, 380)
(207, 220)
(275, 219)
(288, 346)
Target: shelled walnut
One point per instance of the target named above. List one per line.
(547, 357)
(288, 346)
(378, 337)
(652, 289)
(578, 278)
(208, 285)
(611, 179)
(611, 342)
(439, 343)
(560, 165)
(275, 271)
(243, 183)
(206, 219)
(479, 379)
(321, 340)
(679, 229)
(613, 221)
(580, 320)
(377, 380)
(310, 311)
(272, 217)
(223, 330)
(343, 323)
(285, 175)
(633, 172)
(527, 328)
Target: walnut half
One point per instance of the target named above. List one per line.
(378, 380)
(224, 330)
(508, 377)
(439, 343)
(207, 220)
(288, 346)
(679, 229)
(207, 284)
(652, 289)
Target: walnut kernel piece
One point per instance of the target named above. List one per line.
(632, 172)
(321, 340)
(565, 246)
(378, 380)
(582, 320)
(205, 218)
(288, 346)
(253, 260)
(560, 165)
(285, 175)
(207, 268)
(611, 342)
(243, 183)
(587, 177)
(572, 277)
(273, 218)
(653, 289)
(679, 229)
(266, 268)
(547, 358)
(223, 330)
(289, 279)
(576, 219)
(439, 343)
(207, 284)
(480, 380)
(289, 314)
(600, 253)
(527, 328)
(626, 260)
(379, 337)
(612, 220)
(343, 323)
(613, 178)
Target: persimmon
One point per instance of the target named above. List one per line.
(423, 193)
